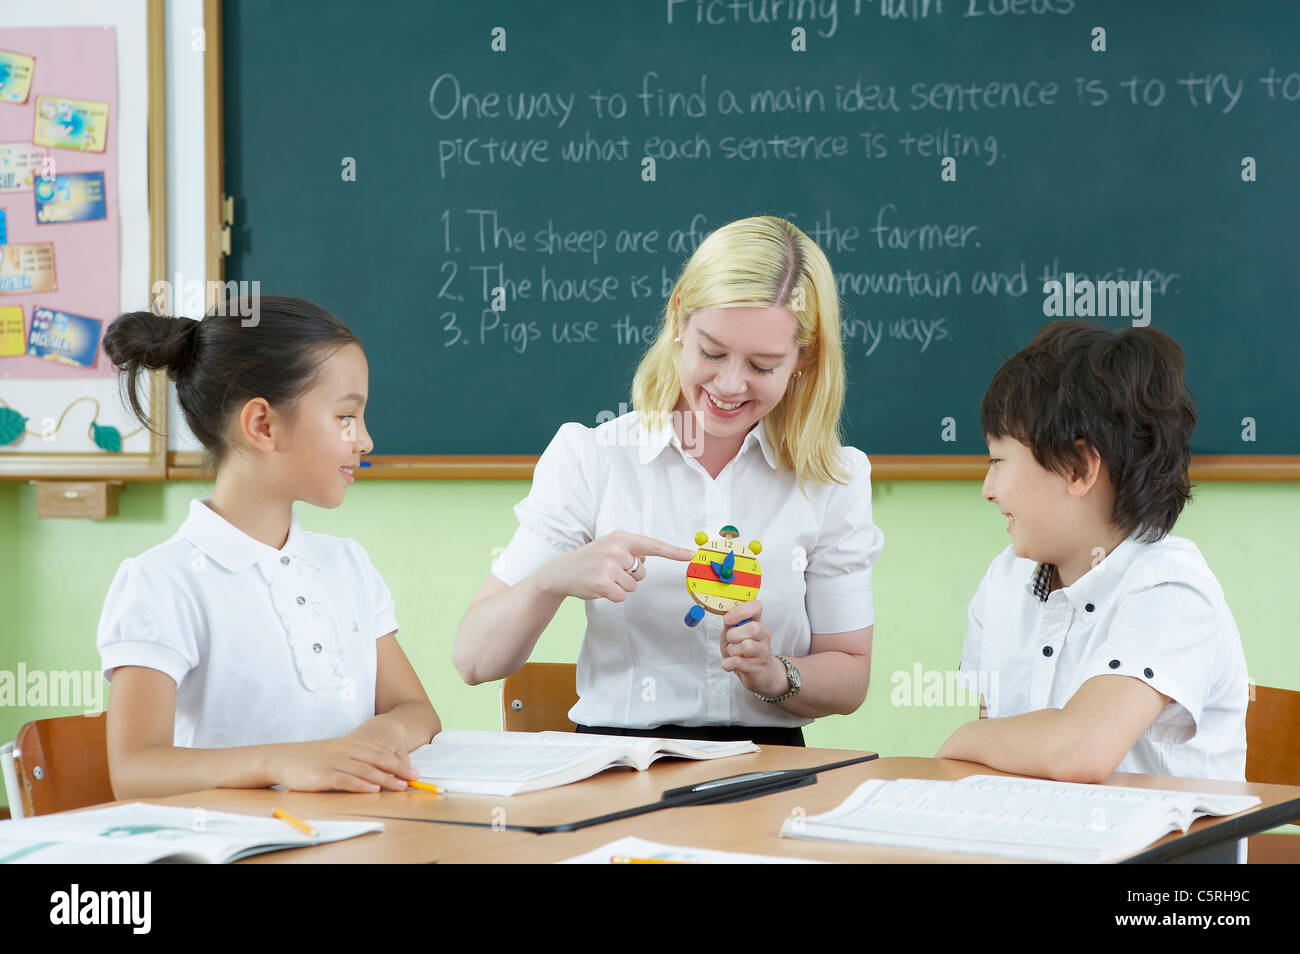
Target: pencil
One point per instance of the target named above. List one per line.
(625, 860)
(423, 786)
(297, 823)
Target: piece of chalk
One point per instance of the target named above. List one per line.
(694, 615)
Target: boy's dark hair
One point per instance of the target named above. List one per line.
(223, 361)
(1122, 393)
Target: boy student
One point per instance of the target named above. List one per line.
(1104, 642)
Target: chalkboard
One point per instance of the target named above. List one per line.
(390, 162)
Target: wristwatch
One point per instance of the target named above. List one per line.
(796, 682)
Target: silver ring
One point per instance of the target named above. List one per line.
(636, 565)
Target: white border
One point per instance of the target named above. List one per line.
(39, 399)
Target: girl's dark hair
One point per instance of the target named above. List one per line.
(269, 347)
(1122, 393)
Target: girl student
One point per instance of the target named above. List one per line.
(736, 426)
(246, 651)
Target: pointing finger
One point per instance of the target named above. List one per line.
(649, 546)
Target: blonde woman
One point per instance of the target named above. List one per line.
(736, 422)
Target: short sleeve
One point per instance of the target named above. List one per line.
(1165, 636)
(838, 576)
(148, 620)
(559, 512)
(377, 594)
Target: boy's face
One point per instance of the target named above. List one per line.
(1035, 501)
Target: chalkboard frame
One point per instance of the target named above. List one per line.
(189, 465)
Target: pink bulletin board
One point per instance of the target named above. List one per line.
(78, 63)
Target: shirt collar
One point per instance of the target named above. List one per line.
(1096, 587)
(235, 550)
(653, 442)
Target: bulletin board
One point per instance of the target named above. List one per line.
(82, 188)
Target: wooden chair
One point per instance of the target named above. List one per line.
(538, 697)
(1273, 757)
(63, 763)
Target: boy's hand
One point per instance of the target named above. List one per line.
(350, 763)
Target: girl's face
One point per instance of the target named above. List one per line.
(735, 365)
(327, 435)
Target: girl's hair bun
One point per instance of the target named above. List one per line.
(223, 361)
(141, 339)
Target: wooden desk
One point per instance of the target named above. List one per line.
(749, 826)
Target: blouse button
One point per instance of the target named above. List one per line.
(1147, 672)
(1089, 607)
(315, 647)
(1047, 650)
(301, 600)
(284, 561)
(1114, 664)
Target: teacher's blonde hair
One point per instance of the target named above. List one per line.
(762, 262)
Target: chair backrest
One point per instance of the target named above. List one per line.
(1273, 736)
(538, 697)
(63, 763)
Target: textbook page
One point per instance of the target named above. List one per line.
(632, 847)
(1055, 821)
(508, 763)
(1199, 803)
(464, 755)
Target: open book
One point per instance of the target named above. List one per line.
(507, 763)
(632, 847)
(141, 833)
(1012, 817)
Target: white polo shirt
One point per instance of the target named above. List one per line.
(640, 666)
(1153, 611)
(264, 645)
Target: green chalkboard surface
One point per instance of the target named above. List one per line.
(390, 161)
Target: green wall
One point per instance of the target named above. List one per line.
(434, 542)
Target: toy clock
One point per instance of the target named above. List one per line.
(722, 573)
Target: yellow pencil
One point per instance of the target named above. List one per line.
(423, 786)
(297, 823)
(625, 860)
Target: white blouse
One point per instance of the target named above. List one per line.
(640, 666)
(264, 645)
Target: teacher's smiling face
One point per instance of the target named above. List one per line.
(735, 365)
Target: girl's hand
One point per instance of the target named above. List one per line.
(383, 730)
(350, 763)
(609, 567)
(747, 651)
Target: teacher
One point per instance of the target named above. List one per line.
(736, 423)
